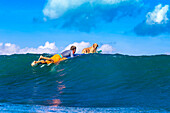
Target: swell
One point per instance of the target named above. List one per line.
(97, 80)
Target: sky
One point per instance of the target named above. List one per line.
(133, 27)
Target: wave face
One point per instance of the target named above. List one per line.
(88, 81)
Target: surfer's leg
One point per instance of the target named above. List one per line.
(34, 63)
(45, 58)
(40, 61)
(41, 57)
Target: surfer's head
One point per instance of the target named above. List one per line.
(73, 48)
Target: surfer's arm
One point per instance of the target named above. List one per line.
(71, 54)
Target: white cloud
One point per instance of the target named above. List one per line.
(112, 1)
(48, 46)
(79, 46)
(106, 48)
(56, 8)
(158, 16)
(8, 49)
(167, 53)
(45, 19)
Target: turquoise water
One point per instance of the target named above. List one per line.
(96, 83)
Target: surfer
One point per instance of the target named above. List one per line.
(92, 49)
(56, 58)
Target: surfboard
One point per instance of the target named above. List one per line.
(100, 51)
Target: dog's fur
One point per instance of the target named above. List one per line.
(91, 49)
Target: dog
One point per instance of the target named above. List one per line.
(91, 49)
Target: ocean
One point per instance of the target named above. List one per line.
(88, 83)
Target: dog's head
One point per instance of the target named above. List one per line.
(95, 45)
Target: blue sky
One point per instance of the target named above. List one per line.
(128, 26)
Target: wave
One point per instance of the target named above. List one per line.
(96, 80)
